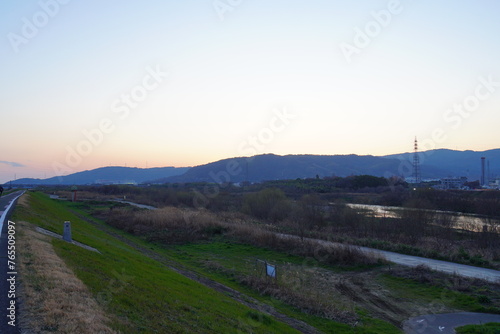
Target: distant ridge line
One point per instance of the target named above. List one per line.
(439, 163)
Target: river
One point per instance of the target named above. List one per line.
(459, 220)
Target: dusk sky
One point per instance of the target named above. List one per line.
(87, 84)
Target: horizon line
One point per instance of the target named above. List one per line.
(241, 157)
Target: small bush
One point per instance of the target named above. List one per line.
(484, 299)
(270, 204)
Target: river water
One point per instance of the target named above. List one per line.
(460, 220)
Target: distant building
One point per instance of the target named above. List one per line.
(495, 183)
(453, 182)
(110, 182)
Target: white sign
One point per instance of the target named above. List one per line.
(270, 270)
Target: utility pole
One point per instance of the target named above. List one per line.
(416, 163)
(483, 183)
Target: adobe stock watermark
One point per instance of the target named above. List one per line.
(122, 108)
(257, 142)
(250, 324)
(115, 286)
(453, 118)
(482, 92)
(31, 26)
(222, 7)
(252, 145)
(364, 36)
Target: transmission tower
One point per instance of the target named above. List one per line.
(416, 164)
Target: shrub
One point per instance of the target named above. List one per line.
(270, 203)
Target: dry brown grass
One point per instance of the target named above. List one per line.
(54, 300)
(315, 303)
(23, 201)
(333, 254)
(176, 226)
(169, 225)
(332, 295)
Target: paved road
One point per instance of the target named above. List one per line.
(490, 275)
(445, 323)
(142, 206)
(7, 290)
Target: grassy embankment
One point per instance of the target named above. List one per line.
(489, 328)
(287, 296)
(219, 247)
(9, 191)
(136, 293)
(378, 297)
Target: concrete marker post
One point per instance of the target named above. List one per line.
(67, 232)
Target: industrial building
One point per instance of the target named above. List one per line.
(453, 182)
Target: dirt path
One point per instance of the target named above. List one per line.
(236, 295)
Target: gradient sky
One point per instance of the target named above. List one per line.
(235, 67)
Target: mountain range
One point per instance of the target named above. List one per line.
(434, 164)
(108, 175)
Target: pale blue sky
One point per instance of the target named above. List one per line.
(227, 79)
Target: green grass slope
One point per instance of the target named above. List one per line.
(139, 294)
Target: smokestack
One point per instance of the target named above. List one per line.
(482, 171)
(488, 176)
